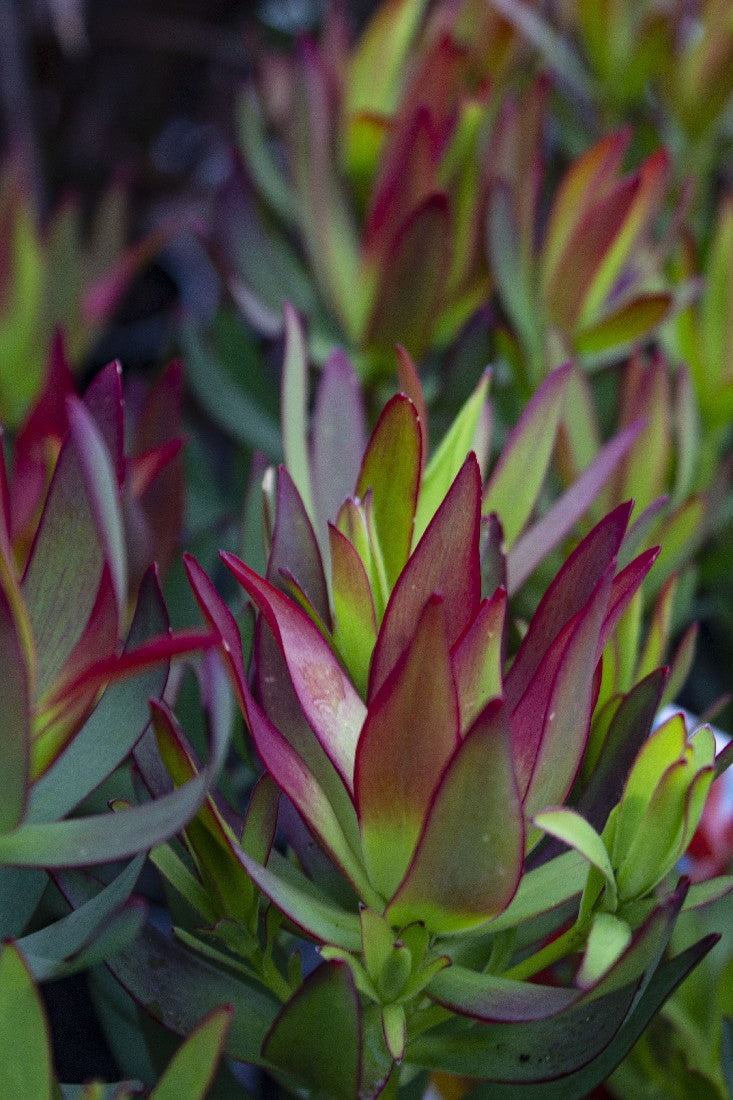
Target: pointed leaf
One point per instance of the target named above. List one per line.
(478, 659)
(542, 889)
(517, 478)
(411, 386)
(178, 988)
(295, 547)
(565, 596)
(410, 281)
(295, 408)
(664, 746)
(493, 998)
(103, 838)
(328, 698)
(321, 1018)
(568, 826)
(536, 542)
(208, 838)
(391, 469)
(445, 463)
(589, 177)
(625, 586)
(191, 1070)
(294, 895)
(624, 326)
(569, 706)
(446, 561)
(114, 726)
(629, 729)
(306, 794)
(378, 61)
(543, 1049)
(394, 1025)
(46, 949)
(356, 620)
(64, 568)
(410, 732)
(468, 862)
(338, 436)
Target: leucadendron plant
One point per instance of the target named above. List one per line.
(484, 901)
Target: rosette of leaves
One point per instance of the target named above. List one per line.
(78, 671)
(368, 215)
(423, 753)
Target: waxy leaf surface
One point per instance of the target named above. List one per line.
(327, 696)
(468, 861)
(445, 561)
(410, 732)
(517, 478)
(391, 469)
(317, 1036)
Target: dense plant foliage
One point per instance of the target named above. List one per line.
(405, 799)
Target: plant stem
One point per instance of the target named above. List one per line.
(552, 952)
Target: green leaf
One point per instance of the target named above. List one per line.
(572, 829)
(491, 997)
(268, 178)
(21, 889)
(355, 615)
(608, 939)
(517, 478)
(624, 326)
(179, 989)
(409, 279)
(446, 561)
(582, 1082)
(208, 838)
(468, 863)
(46, 950)
(391, 469)
(102, 488)
(15, 721)
(716, 326)
(229, 405)
(113, 727)
(294, 896)
(395, 1030)
(294, 415)
(379, 60)
(408, 737)
(535, 544)
(65, 567)
(509, 269)
(478, 660)
(544, 888)
(25, 1043)
(443, 467)
(192, 1068)
(103, 838)
(316, 1037)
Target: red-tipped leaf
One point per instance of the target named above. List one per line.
(446, 561)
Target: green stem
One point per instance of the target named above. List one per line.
(552, 952)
